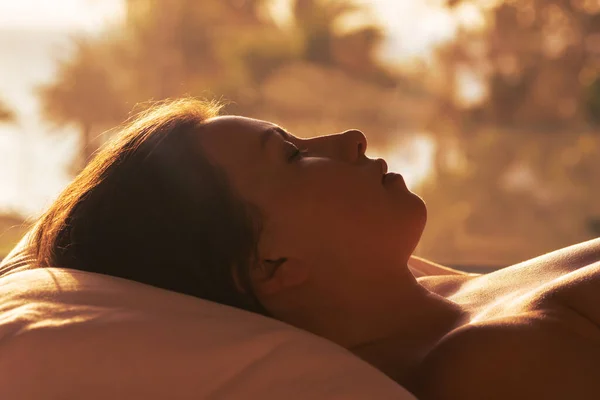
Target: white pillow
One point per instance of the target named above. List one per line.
(68, 334)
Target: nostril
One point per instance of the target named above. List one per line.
(362, 142)
(355, 143)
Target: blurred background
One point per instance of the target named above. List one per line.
(490, 109)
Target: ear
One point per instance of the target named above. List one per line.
(275, 276)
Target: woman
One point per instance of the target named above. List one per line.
(314, 233)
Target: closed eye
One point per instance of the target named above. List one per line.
(297, 153)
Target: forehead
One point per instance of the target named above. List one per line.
(233, 129)
(232, 141)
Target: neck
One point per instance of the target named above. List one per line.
(399, 325)
(399, 353)
(391, 322)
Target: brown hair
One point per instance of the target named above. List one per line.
(150, 207)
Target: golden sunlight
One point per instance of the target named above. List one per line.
(63, 14)
(412, 157)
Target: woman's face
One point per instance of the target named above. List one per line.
(325, 207)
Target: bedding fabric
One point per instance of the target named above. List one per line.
(75, 335)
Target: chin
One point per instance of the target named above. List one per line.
(418, 210)
(418, 221)
(403, 243)
(423, 213)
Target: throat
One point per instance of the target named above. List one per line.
(398, 359)
(399, 355)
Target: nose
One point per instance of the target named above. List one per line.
(349, 145)
(354, 144)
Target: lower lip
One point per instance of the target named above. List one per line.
(391, 177)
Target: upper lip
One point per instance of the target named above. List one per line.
(383, 164)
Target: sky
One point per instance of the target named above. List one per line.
(43, 28)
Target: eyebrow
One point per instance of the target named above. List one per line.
(271, 132)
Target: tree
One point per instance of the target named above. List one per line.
(539, 64)
(541, 61)
(6, 114)
(84, 95)
(216, 48)
(316, 22)
(182, 47)
(163, 50)
(319, 25)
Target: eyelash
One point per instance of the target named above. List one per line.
(298, 153)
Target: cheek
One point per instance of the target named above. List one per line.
(363, 216)
(337, 207)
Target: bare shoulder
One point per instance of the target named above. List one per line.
(571, 257)
(524, 357)
(577, 288)
(423, 267)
